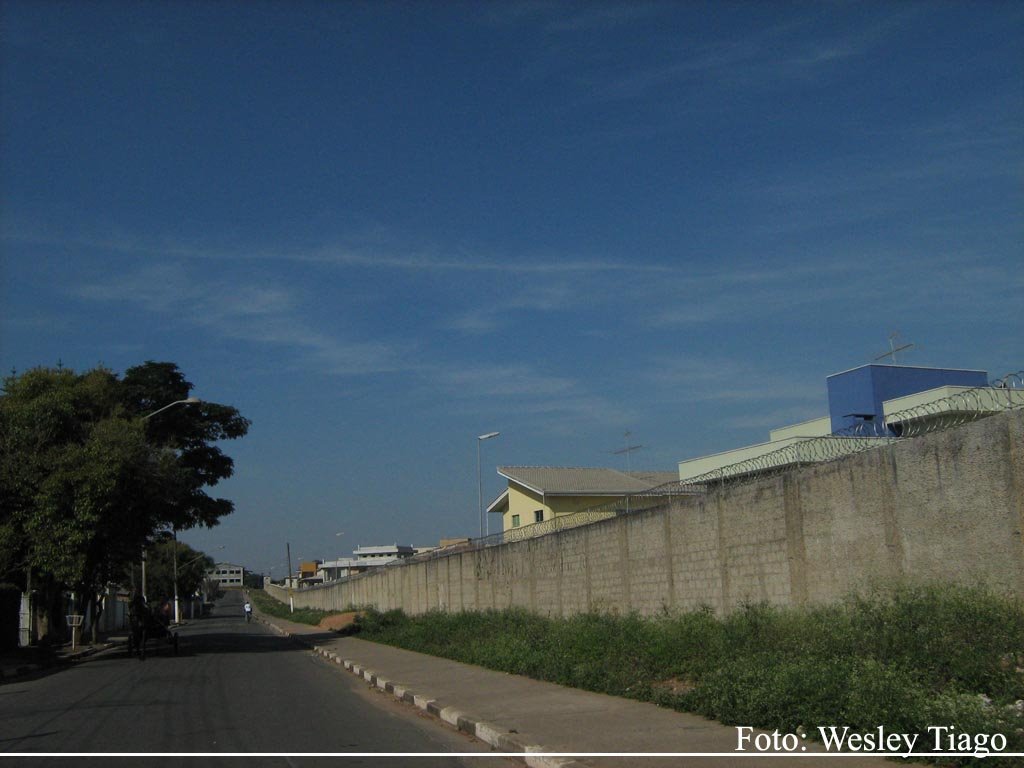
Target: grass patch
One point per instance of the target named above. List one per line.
(905, 658)
(273, 607)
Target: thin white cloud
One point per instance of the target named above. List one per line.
(707, 380)
(342, 256)
(244, 312)
(492, 316)
(600, 16)
(771, 58)
(515, 380)
(557, 18)
(263, 315)
(774, 418)
(424, 262)
(528, 395)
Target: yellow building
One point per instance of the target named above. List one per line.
(537, 494)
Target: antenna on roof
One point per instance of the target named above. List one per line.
(627, 450)
(893, 349)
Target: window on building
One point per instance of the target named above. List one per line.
(538, 516)
(515, 521)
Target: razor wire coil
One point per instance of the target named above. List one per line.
(949, 412)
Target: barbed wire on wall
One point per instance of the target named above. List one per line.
(948, 412)
(937, 415)
(959, 408)
(813, 450)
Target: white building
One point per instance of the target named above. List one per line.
(364, 559)
(383, 554)
(229, 575)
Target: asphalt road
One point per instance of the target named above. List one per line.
(233, 687)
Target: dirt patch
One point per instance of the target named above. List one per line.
(338, 620)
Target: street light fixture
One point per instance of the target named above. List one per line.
(479, 480)
(186, 401)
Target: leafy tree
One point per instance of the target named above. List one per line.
(49, 492)
(189, 432)
(87, 479)
(211, 589)
(192, 569)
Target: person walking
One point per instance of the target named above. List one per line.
(248, 611)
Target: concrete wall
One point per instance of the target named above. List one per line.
(945, 507)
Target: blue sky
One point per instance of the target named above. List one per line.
(380, 230)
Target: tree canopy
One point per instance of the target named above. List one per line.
(192, 567)
(89, 474)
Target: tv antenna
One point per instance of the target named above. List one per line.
(627, 450)
(893, 349)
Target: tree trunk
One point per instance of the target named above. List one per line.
(97, 611)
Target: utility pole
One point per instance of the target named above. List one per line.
(177, 610)
(291, 598)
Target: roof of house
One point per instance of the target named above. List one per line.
(585, 481)
(383, 549)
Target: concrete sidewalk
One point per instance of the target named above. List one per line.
(518, 714)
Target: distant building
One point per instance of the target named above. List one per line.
(384, 552)
(538, 494)
(365, 558)
(332, 570)
(446, 544)
(228, 575)
(309, 573)
(460, 541)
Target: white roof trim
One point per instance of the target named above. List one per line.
(502, 498)
(918, 367)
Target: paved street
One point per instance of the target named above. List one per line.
(234, 687)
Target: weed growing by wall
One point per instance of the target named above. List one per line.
(906, 658)
(268, 605)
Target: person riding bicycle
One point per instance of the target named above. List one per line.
(248, 611)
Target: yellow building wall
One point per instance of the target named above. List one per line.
(524, 502)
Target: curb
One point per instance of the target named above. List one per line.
(501, 739)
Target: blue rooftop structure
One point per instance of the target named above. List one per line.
(855, 396)
(856, 408)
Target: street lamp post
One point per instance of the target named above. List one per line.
(479, 480)
(186, 401)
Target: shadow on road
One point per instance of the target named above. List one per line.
(201, 643)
